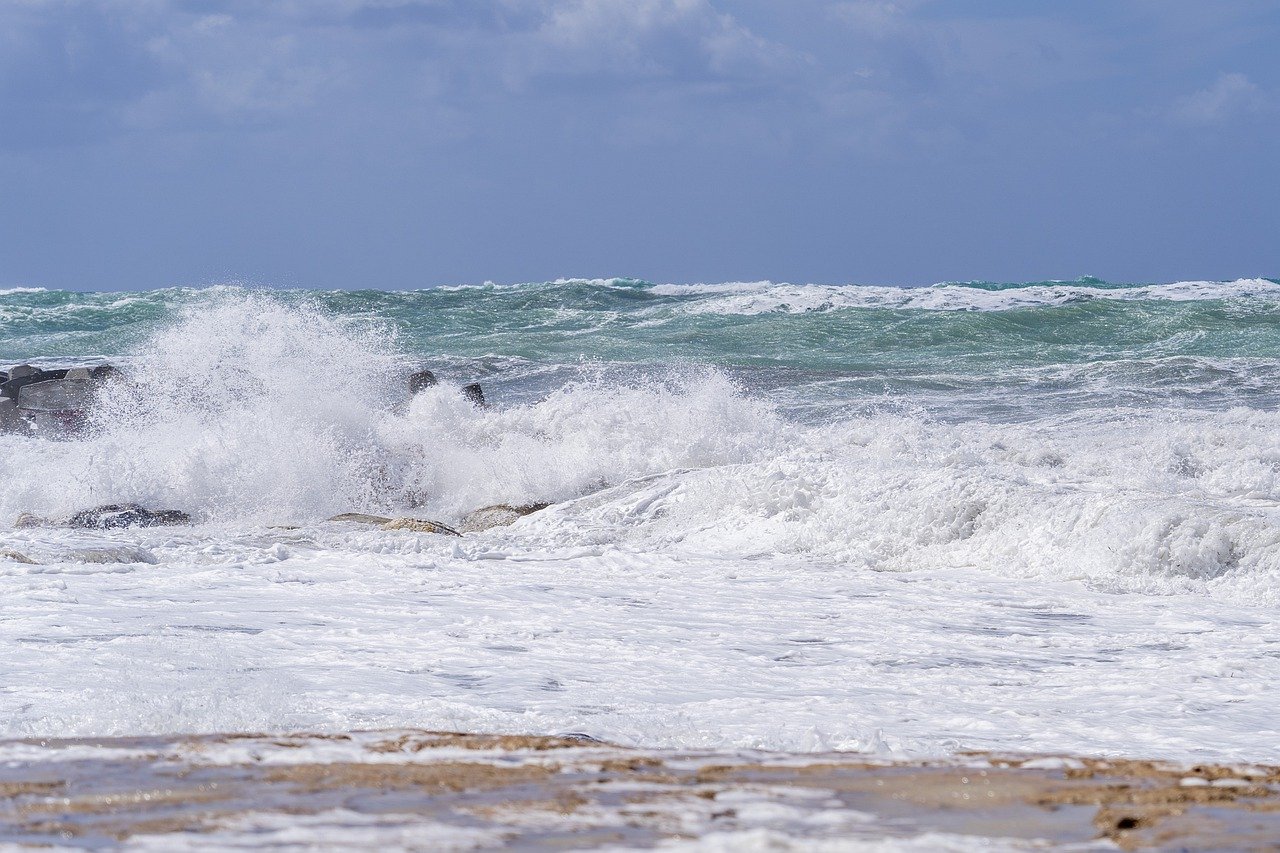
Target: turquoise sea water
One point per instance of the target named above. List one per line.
(1004, 351)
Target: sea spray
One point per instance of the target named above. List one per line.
(583, 437)
(241, 407)
(1038, 517)
(246, 408)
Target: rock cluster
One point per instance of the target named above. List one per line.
(109, 517)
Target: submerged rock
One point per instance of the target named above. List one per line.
(113, 516)
(420, 525)
(498, 515)
(6, 554)
(112, 554)
(361, 518)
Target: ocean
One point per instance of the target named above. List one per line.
(1037, 517)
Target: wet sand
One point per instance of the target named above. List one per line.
(415, 790)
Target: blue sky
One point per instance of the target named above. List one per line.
(406, 143)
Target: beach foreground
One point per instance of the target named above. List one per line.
(419, 790)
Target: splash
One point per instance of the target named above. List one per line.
(246, 408)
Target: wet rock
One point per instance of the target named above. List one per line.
(499, 515)
(361, 518)
(421, 380)
(27, 520)
(6, 554)
(475, 394)
(114, 516)
(420, 525)
(23, 374)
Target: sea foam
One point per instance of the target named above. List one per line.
(716, 569)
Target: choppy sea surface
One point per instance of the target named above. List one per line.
(1039, 516)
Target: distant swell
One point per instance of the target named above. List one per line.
(763, 297)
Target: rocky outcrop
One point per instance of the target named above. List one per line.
(15, 556)
(361, 518)
(108, 517)
(420, 525)
(114, 516)
(498, 515)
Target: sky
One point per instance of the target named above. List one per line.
(411, 143)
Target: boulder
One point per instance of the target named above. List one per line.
(28, 520)
(421, 380)
(475, 394)
(420, 525)
(6, 554)
(113, 516)
(498, 515)
(361, 518)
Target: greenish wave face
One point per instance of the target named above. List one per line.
(981, 349)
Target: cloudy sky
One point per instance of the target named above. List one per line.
(406, 143)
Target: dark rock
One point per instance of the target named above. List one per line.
(499, 515)
(113, 516)
(420, 525)
(421, 380)
(23, 374)
(474, 393)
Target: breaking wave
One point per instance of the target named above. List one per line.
(246, 408)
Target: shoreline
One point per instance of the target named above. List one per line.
(412, 789)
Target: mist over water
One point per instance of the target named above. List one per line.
(1106, 454)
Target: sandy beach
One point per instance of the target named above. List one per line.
(419, 790)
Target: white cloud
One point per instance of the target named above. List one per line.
(237, 69)
(1230, 96)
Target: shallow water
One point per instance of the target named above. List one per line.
(1036, 517)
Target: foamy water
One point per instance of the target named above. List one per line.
(1039, 518)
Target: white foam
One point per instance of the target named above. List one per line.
(712, 575)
